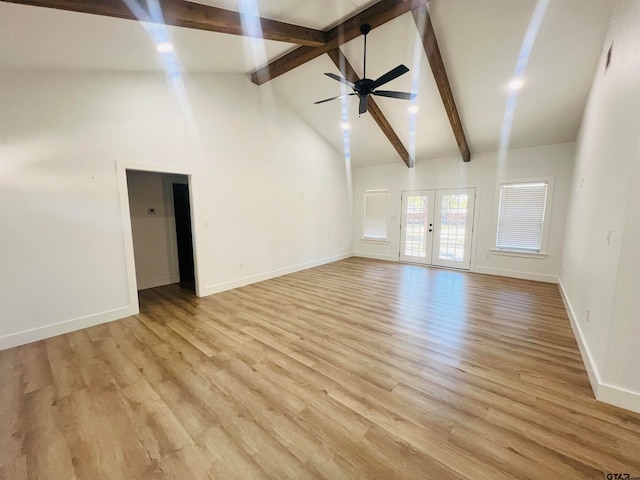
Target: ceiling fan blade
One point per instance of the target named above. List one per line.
(390, 75)
(364, 101)
(333, 98)
(391, 94)
(340, 79)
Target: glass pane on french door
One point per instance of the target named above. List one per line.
(417, 226)
(453, 228)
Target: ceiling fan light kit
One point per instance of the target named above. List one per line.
(365, 86)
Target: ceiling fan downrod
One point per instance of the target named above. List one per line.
(364, 30)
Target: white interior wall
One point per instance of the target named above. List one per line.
(602, 250)
(271, 195)
(484, 172)
(154, 234)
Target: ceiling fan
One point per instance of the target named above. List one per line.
(365, 86)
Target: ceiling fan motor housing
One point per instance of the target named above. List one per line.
(363, 86)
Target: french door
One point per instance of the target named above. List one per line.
(437, 227)
(416, 233)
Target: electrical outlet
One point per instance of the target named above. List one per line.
(241, 265)
(588, 315)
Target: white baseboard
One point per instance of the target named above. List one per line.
(377, 256)
(40, 333)
(587, 358)
(538, 277)
(261, 277)
(604, 392)
(618, 396)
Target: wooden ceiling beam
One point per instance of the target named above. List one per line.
(349, 73)
(375, 15)
(180, 13)
(430, 44)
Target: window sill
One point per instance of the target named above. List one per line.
(516, 253)
(373, 240)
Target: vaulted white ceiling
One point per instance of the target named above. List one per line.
(480, 41)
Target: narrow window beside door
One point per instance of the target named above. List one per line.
(376, 215)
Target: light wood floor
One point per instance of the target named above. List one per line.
(357, 369)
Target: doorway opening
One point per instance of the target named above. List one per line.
(184, 236)
(161, 229)
(437, 227)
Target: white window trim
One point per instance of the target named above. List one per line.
(517, 253)
(373, 240)
(364, 215)
(494, 250)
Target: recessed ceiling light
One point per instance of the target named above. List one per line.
(344, 126)
(164, 47)
(413, 109)
(516, 84)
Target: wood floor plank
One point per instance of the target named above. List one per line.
(355, 369)
(36, 369)
(11, 419)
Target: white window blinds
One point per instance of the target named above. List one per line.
(521, 216)
(376, 214)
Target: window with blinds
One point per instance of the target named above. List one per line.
(376, 214)
(521, 216)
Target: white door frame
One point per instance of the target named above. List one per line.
(127, 233)
(473, 221)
